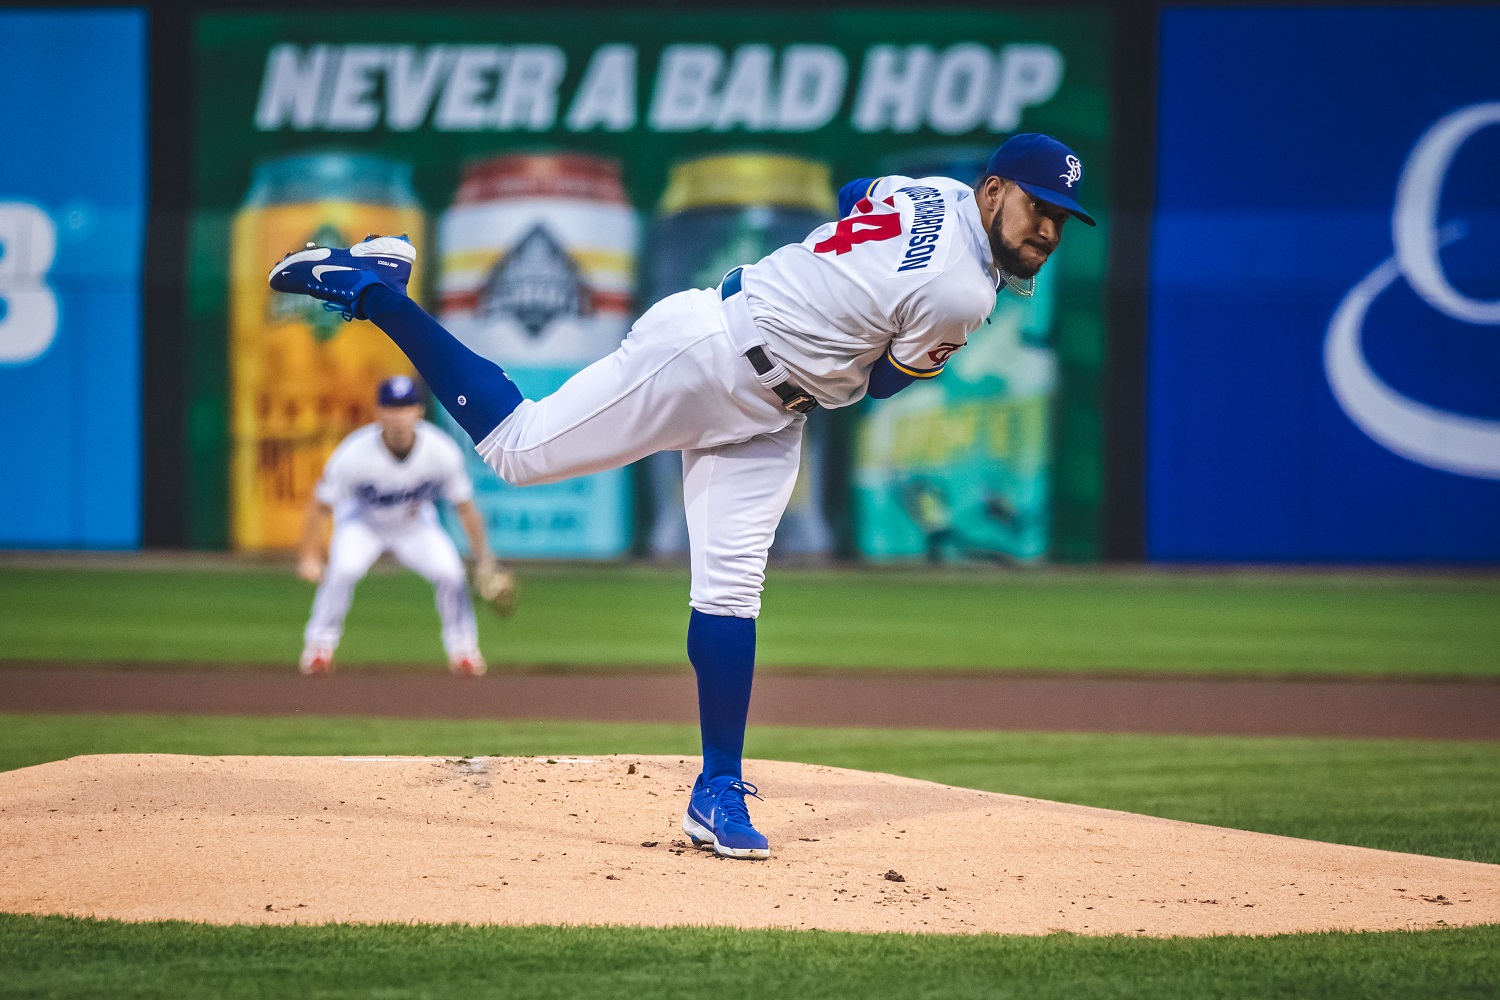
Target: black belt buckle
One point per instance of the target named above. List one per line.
(800, 403)
(793, 398)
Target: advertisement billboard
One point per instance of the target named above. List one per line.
(559, 180)
(1324, 364)
(72, 227)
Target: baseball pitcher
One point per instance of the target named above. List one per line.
(379, 487)
(866, 305)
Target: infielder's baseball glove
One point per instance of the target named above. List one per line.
(496, 587)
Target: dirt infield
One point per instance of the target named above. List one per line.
(1193, 706)
(596, 841)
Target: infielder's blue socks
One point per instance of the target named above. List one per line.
(475, 391)
(722, 649)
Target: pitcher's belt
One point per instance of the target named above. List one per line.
(793, 397)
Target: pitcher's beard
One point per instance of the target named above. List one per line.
(1009, 258)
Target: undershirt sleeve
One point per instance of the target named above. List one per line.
(852, 192)
(886, 380)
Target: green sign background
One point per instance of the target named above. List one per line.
(232, 64)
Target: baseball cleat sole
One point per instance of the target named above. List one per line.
(374, 246)
(385, 246)
(300, 257)
(747, 854)
(702, 836)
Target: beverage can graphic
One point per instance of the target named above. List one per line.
(300, 377)
(958, 468)
(538, 259)
(717, 213)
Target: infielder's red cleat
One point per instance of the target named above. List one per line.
(316, 662)
(467, 665)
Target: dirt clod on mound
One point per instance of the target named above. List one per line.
(488, 840)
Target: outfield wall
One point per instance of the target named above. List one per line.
(1212, 376)
(1325, 296)
(72, 229)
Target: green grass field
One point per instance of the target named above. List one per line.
(632, 617)
(53, 957)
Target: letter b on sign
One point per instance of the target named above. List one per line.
(28, 306)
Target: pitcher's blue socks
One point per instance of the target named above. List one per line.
(722, 649)
(475, 391)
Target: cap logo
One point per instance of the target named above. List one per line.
(1075, 170)
(401, 386)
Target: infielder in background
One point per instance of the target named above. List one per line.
(379, 487)
(866, 305)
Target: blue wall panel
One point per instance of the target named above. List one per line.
(1316, 395)
(72, 224)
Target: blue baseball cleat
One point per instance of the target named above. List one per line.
(338, 277)
(716, 815)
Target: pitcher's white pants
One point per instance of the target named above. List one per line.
(423, 547)
(677, 383)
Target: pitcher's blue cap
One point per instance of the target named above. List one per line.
(1044, 168)
(399, 390)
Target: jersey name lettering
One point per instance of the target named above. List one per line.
(369, 493)
(927, 225)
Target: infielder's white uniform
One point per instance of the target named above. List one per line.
(384, 504)
(909, 274)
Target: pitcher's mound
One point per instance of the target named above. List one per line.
(596, 841)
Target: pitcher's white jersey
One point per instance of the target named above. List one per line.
(908, 273)
(363, 480)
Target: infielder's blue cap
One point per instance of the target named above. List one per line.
(399, 390)
(1044, 168)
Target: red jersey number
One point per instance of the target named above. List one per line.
(857, 229)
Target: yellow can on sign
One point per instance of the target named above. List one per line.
(300, 377)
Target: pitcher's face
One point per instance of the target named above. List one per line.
(1025, 230)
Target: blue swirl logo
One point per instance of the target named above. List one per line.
(1439, 439)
